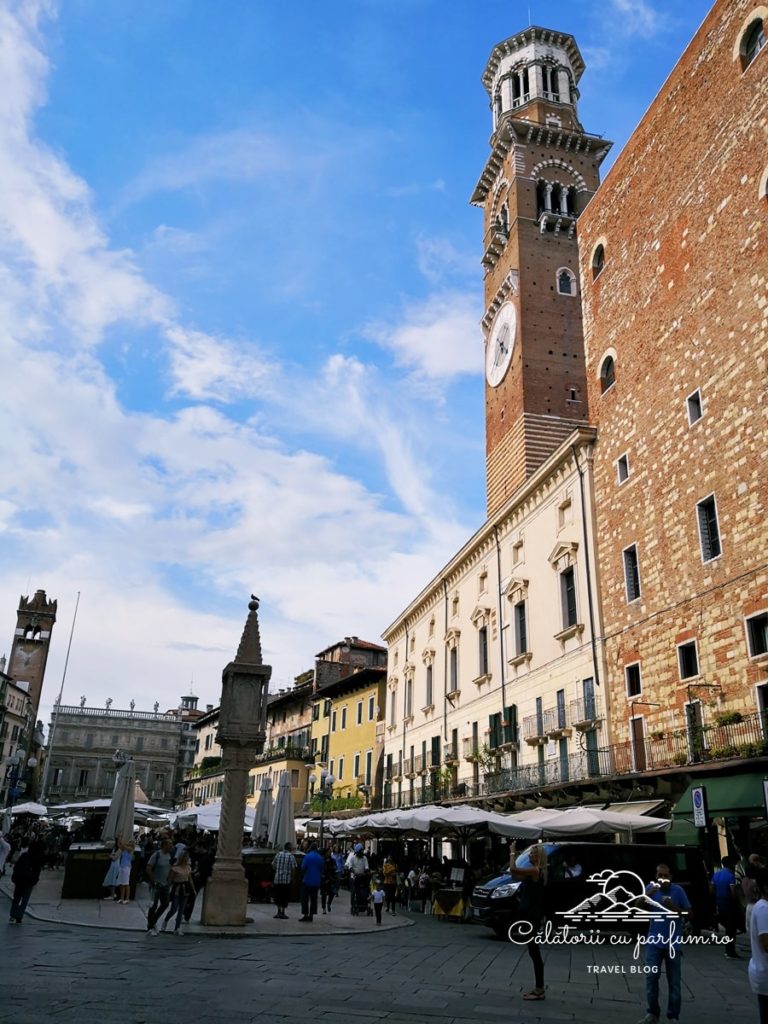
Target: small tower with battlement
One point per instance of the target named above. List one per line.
(31, 642)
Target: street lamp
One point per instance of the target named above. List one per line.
(17, 765)
(323, 794)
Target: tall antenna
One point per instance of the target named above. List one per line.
(530, 20)
(46, 772)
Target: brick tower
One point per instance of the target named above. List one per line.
(34, 624)
(541, 173)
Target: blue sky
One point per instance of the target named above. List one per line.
(239, 294)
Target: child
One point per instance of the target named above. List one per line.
(378, 901)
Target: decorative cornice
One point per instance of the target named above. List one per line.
(511, 133)
(509, 286)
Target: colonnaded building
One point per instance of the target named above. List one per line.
(603, 635)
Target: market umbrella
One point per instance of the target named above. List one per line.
(579, 821)
(30, 808)
(282, 829)
(207, 816)
(118, 824)
(263, 815)
(142, 811)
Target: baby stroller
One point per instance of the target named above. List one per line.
(360, 888)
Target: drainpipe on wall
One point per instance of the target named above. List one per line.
(501, 622)
(587, 564)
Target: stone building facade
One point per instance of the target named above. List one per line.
(84, 741)
(494, 682)
(674, 268)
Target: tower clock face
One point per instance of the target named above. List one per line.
(501, 343)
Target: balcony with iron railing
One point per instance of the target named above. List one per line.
(286, 753)
(744, 737)
(556, 722)
(450, 753)
(533, 730)
(585, 713)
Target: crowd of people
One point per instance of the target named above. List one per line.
(377, 883)
(177, 865)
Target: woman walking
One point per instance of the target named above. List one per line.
(182, 887)
(531, 902)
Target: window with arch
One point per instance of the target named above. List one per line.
(607, 374)
(598, 261)
(566, 282)
(752, 42)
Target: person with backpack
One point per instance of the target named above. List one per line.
(180, 881)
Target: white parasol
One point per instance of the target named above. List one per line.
(118, 825)
(282, 829)
(264, 811)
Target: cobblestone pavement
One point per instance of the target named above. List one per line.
(434, 972)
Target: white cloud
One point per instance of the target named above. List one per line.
(438, 259)
(176, 241)
(638, 18)
(239, 155)
(160, 517)
(208, 368)
(439, 338)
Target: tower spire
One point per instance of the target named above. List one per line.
(249, 651)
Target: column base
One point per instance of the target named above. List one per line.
(225, 897)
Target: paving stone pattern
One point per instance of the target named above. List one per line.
(434, 972)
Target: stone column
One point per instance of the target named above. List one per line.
(241, 734)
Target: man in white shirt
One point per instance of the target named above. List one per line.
(758, 940)
(357, 862)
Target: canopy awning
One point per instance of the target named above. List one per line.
(730, 796)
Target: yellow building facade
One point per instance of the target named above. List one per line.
(344, 733)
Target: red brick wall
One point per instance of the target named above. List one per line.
(683, 300)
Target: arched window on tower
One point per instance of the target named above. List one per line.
(607, 374)
(520, 88)
(502, 219)
(572, 201)
(497, 107)
(753, 41)
(598, 261)
(541, 198)
(566, 281)
(549, 81)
